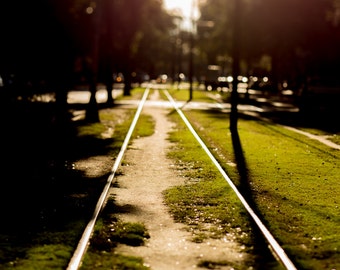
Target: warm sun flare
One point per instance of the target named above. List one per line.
(182, 6)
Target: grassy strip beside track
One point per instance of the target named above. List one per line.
(109, 231)
(293, 181)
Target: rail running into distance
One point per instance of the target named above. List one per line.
(80, 251)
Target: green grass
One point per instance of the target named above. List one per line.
(295, 187)
(135, 94)
(198, 96)
(293, 181)
(334, 137)
(144, 127)
(48, 256)
(206, 203)
(105, 261)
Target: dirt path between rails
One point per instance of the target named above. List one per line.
(146, 173)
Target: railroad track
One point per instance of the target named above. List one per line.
(81, 249)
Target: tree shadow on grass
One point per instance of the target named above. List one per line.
(265, 258)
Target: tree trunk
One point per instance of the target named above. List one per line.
(236, 66)
(92, 114)
(127, 83)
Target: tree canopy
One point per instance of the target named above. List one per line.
(46, 38)
(64, 41)
(300, 37)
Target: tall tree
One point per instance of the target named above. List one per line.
(220, 32)
(299, 36)
(139, 29)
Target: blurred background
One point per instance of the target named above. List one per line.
(289, 47)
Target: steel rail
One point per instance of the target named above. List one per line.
(78, 255)
(274, 246)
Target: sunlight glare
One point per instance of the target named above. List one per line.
(183, 8)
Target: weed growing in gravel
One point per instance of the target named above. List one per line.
(108, 233)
